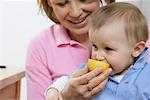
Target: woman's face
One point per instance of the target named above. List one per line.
(74, 14)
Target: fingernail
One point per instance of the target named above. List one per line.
(110, 69)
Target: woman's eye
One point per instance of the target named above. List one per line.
(62, 4)
(108, 49)
(83, 0)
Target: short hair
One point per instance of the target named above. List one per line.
(43, 5)
(135, 25)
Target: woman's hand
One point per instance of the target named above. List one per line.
(84, 85)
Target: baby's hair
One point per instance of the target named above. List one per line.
(135, 25)
(43, 5)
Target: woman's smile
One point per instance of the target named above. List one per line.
(79, 23)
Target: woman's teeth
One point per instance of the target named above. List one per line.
(78, 21)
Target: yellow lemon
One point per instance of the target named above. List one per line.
(92, 64)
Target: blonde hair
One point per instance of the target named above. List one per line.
(43, 5)
(134, 21)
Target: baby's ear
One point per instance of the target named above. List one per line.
(139, 47)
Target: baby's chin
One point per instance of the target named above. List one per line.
(115, 73)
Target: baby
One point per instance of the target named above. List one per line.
(120, 41)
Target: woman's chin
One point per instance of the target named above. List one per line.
(81, 31)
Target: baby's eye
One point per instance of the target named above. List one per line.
(94, 46)
(108, 48)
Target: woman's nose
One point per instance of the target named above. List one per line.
(75, 10)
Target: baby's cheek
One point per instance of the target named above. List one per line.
(116, 70)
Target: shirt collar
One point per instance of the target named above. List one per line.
(61, 36)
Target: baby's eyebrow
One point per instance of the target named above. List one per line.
(107, 43)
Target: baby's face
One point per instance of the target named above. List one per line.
(111, 44)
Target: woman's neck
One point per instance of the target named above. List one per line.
(81, 38)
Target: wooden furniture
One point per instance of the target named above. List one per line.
(10, 79)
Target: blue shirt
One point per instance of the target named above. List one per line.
(135, 85)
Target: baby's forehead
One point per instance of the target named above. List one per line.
(110, 22)
(113, 26)
(109, 32)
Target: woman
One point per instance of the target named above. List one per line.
(61, 48)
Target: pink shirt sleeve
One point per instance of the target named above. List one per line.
(38, 75)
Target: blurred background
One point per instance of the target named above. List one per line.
(20, 20)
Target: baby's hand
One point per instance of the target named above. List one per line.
(52, 94)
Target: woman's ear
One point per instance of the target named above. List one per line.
(138, 49)
(49, 3)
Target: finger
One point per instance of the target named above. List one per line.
(99, 79)
(84, 79)
(81, 72)
(99, 88)
(96, 90)
(60, 97)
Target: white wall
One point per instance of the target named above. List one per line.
(144, 6)
(19, 22)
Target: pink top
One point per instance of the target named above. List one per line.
(51, 55)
